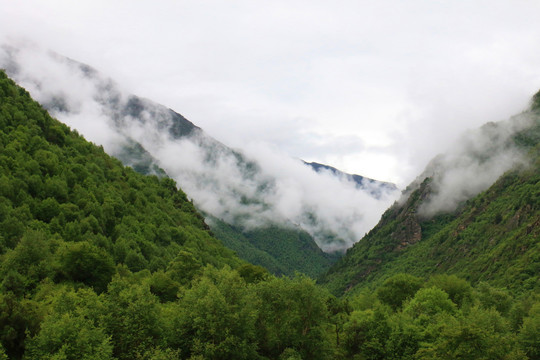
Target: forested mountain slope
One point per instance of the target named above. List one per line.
(492, 236)
(228, 185)
(56, 184)
(94, 259)
(294, 252)
(100, 262)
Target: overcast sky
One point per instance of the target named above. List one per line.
(371, 87)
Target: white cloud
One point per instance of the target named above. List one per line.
(473, 164)
(405, 76)
(374, 88)
(264, 186)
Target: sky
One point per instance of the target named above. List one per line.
(376, 88)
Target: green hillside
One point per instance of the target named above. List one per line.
(492, 237)
(100, 262)
(281, 250)
(56, 185)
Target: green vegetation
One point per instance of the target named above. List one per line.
(132, 154)
(100, 262)
(535, 102)
(281, 250)
(493, 237)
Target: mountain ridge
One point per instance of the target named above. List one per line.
(375, 187)
(223, 182)
(478, 239)
(100, 262)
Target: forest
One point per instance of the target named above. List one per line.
(98, 261)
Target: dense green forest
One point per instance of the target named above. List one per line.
(279, 249)
(100, 262)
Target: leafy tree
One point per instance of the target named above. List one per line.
(458, 290)
(12, 228)
(31, 258)
(47, 209)
(184, 267)
(14, 283)
(161, 354)
(427, 303)
(216, 318)
(292, 314)
(135, 261)
(339, 311)
(55, 187)
(530, 332)
(48, 161)
(405, 336)
(18, 318)
(163, 286)
(252, 273)
(365, 334)
(398, 288)
(86, 263)
(290, 354)
(132, 317)
(491, 297)
(69, 337)
(3, 355)
(481, 334)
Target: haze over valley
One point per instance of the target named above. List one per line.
(252, 188)
(271, 180)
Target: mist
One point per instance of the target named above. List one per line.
(373, 88)
(251, 187)
(473, 164)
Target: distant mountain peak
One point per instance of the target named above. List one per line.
(247, 190)
(375, 187)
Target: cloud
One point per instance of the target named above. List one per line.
(374, 88)
(262, 185)
(266, 186)
(51, 83)
(252, 187)
(405, 78)
(473, 164)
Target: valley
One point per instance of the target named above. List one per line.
(99, 260)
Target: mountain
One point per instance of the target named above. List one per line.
(474, 213)
(100, 262)
(72, 215)
(375, 187)
(248, 195)
(281, 250)
(57, 184)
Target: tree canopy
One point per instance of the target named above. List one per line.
(100, 262)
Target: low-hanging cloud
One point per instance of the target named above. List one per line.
(57, 84)
(265, 187)
(419, 69)
(473, 164)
